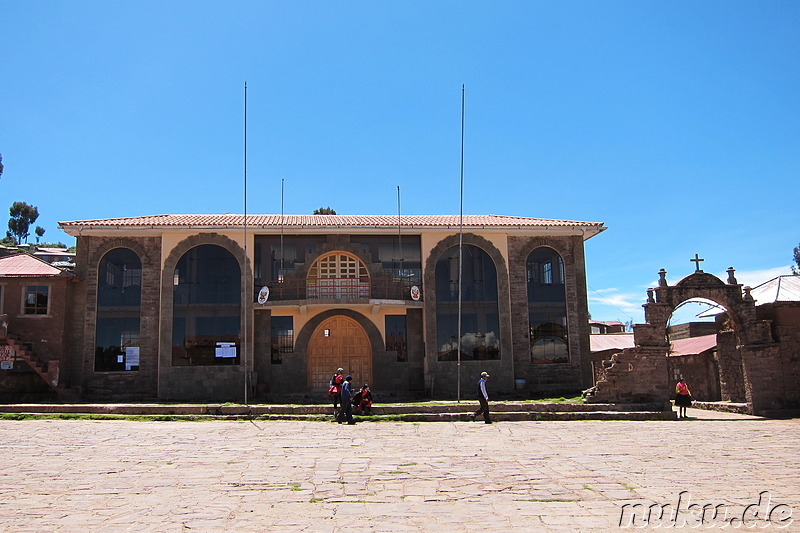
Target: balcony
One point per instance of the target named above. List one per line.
(341, 289)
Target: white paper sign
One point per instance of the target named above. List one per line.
(225, 349)
(131, 357)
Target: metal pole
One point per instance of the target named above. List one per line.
(401, 271)
(460, 245)
(244, 263)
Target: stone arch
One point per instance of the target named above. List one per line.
(376, 340)
(640, 373)
(665, 299)
(375, 337)
(168, 269)
(502, 367)
(148, 250)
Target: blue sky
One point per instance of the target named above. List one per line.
(677, 124)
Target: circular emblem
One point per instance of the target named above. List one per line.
(415, 293)
(263, 295)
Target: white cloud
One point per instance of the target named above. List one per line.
(629, 304)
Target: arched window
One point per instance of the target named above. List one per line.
(547, 307)
(206, 311)
(480, 324)
(337, 275)
(119, 295)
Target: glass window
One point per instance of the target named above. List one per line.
(396, 336)
(119, 294)
(36, 300)
(206, 308)
(282, 334)
(338, 276)
(547, 307)
(480, 324)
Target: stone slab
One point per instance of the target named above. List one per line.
(80, 475)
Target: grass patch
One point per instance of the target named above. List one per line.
(587, 487)
(627, 486)
(316, 500)
(294, 486)
(407, 464)
(98, 417)
(391, 473)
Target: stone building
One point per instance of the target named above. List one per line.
(35, 305)
(216, 307)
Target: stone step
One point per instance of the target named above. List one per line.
(417, 412)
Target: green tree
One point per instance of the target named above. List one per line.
(39, 233)
(324, 211)
(1, 165)
(22, 216)
(796, 269)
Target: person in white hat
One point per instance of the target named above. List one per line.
(483, 397)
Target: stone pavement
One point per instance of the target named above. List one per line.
(70, 475)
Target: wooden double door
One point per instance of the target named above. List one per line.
(339, 342)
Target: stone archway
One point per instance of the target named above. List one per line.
(338, 341)
(640, 373)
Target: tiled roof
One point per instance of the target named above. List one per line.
(326, 221)
(25, 265)
(611, 341)
(607, 322)
(693, 345)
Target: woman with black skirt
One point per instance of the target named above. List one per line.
(683, 398)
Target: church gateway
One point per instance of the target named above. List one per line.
(188, 307)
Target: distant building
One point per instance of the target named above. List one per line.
(604, 328)
(36, 315)
(58, 256)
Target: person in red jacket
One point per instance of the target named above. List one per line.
(683, 398)
(362, 401)
(335, 389)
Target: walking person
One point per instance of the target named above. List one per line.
(683, 398)
(335, 389)
(346, 412)
(483, 398)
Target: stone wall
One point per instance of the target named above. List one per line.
(546, 379)
(121, 385)
(217, 383)
(701, 373)
(442, 377)
(729, 359)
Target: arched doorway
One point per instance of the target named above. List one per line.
(338, 341)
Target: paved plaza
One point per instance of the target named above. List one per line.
(69, 475)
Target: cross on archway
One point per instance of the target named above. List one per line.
(696, 261)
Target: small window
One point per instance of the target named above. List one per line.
(282, 333)
(36, 299)
(396, 336)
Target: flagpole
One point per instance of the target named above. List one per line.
(247, 292)
(460, 245)
(401, 271)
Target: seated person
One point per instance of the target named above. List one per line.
(362, 401)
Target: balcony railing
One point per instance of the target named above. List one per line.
(341, 289)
